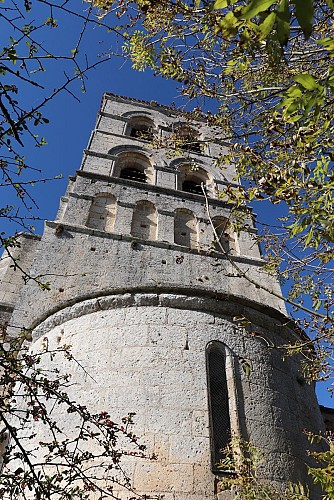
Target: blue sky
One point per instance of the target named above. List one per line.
(71, 120)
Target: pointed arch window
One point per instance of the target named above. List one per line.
(144, 221)
(185, 228)
(102, 213)
(218, 396)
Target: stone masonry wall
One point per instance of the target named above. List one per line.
(11, 279)
(88, 263)
(140, 313)
(146, 353)
(127, 194)
(109, 139)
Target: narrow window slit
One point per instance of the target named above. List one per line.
(220, 423)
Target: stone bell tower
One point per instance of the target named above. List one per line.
(151, 303)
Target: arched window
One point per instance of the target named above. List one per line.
(134, 173)
(144, 221)
(185, 228)
(188, 138)
(140, 127)
(134, 166)
(220, 422)
(102, 212)
(226, 237)
(193, 179)
(193, 185)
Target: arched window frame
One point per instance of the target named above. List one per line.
(134, 160)
(188, 138)
(184, 237)
(194, 173)
(140, 127)
(222, 427)
(150, 223)
(102, 212)
(227, 237)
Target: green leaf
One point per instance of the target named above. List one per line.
(294, 118)
(254, 7)
(222, 4)
(289, 106)
(308, 238)
(328, 43)
(294, 91)
(310, 103)
(307, 81)
(229, 25)
(266, 27)
(304, 15)
(283, 22)
(246, 368)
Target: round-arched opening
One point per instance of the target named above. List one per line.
(218, 396)
(225, 240)
(185, 228)
(194, 179)
(134, 166)
(140, 127)
(144, 221)
(102, 212)
(188, 139)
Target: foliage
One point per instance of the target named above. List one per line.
(67, 464)
(246, 460)
(30, 51)
(246, 483)
(262, 73)
(39, 458)
(323, 475)
(273, 98)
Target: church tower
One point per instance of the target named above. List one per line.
(167, 308)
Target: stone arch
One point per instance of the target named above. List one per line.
(218, 398)
(102, 212)
(191, 178)
(144, 221)
(181, 161)
(125, 148)
(226, 236)
(134, 166)
(140, 127)
(185, 228)
(133, 113)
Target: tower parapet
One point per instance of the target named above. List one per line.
(151, 304)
